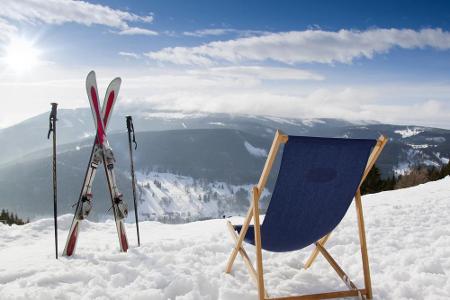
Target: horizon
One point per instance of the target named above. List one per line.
(377, 61)
(354, 122)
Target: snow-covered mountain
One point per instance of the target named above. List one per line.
(408, 237)
(200, 152)
(174, 198)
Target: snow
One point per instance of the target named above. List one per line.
(258, 152)
(438, 139)
(217, 123)
(174, 198)
(402, 169)
(312, 122)
(444, 160)
(172, 115)
(281, 120)
(421, 146)
(408, 234)
(409, 132)
(86, 135)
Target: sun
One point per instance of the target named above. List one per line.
(20, 55)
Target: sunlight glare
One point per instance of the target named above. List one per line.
(21, 55)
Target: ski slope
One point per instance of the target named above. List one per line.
(408, 239)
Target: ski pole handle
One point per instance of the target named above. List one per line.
(52, 118)
(130, 128)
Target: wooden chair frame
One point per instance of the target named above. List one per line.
(253, 213)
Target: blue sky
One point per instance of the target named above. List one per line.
(387, 61)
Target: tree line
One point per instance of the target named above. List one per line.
(374, 183)
(9, 218)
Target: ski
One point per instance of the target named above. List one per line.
(83, 206)
(120, 209)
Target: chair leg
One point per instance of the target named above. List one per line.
(240, 239)
(243, 253)
(337, 268)
(362, 240)
(245, 256)
(315, 252)
(259, 264)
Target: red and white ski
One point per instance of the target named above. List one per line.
(101, 152)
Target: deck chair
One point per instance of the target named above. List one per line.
(316, 183)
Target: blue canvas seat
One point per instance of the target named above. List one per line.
(317, 181)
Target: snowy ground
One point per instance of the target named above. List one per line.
(408, 239)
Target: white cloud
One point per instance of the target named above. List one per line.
(129, 54)
(137, 31)
(69, 11)
(208, 32)
(307, 46)
(223, 31)
(6, 30)
(350, 103)
(233, 91)
(259, 72)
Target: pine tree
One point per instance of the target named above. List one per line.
(11, 218)
(373, 182)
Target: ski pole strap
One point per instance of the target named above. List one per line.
(130, 128)
(52, 119)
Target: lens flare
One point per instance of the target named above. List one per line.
(20, 55)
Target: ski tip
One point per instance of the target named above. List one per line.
(91, 79)
(117, 82)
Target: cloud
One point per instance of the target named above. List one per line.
(69, 11)
(309, 46)
(233, 90)
(6, 30)
(348, 103)
(260, 72)
(137, 31)
(223, 31)
(129, 54)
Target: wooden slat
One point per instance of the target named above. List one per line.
(245, 256)
(330, 295)
(381, 142)
(362, 240)
(243, 253)
(315, 253)
(337, 268)
(259, 263)
(239, 241)
(277, 141)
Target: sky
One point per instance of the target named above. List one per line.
(385, 61)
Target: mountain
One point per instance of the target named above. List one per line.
(189, 165)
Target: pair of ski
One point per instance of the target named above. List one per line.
(101, 154)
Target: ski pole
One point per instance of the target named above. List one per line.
(52, 128)
(130, 128)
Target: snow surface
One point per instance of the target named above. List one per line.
(408, 235)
